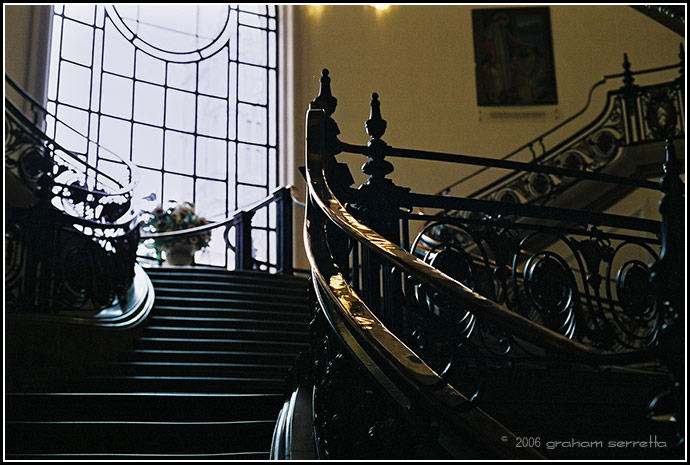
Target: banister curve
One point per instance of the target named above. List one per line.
(558, 346)
(358, 325)
(123, 188)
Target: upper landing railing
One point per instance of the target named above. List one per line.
(633, 114)
(541, 284)
(71, 231)
(238, 234)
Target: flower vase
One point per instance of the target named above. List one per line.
(180, 254)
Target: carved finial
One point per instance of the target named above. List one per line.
(375, 125)
(325, 99)
(627, 73)
(377, 167)
(628, 78)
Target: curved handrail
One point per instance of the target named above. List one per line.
(123, 188)
(70, 158)
(501, 163)
(59, 150)
(355, 321)
(558, 346)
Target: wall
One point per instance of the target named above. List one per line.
(27, 33)
(17, 28)
(420, 60)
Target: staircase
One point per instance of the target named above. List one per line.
(206, 378)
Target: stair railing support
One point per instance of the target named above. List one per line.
(284, 231)
(243, 240)
(378, 204)
(665, 273)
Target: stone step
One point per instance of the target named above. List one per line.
(227, 322)
(140, 406)
(234, 345)
(158, 368)
(276, 295)
(209, 356)
(137, 437)
(265, 304)
(151, 383)
(226, 333)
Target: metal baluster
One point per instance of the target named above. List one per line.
(668, 283)
(665, 273)
(284, 232)
(378, 203)
(243, 241)
(630, 94)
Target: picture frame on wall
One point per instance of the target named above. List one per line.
(513, 53)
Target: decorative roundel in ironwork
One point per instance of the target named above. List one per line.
(456, 263)
(572, 160)
(549, 283)
(604, 143)
(539, 184)
(151, 28)
(33, 163)
(634, 290)
(508, 196)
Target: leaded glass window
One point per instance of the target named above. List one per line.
(189, 93)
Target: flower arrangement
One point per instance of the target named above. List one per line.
(177, 218)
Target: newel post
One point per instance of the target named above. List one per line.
(327, 102)
(338, 174)
(378, 206)
(379, 199)
(243, 240)
(284, 231)
(666, 274)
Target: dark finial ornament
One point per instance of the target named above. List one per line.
(628, 78)
(629, 87)
(325, 99)
(375, 125)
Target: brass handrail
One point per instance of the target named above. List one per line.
(558, 345)
(362, 330)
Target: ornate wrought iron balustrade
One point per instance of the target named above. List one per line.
(373, 397)
(536, 284)
(632, 115)
(71, 232)
(53, 175)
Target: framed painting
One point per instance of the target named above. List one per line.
(513, 54)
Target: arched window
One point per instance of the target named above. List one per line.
(186, 92)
